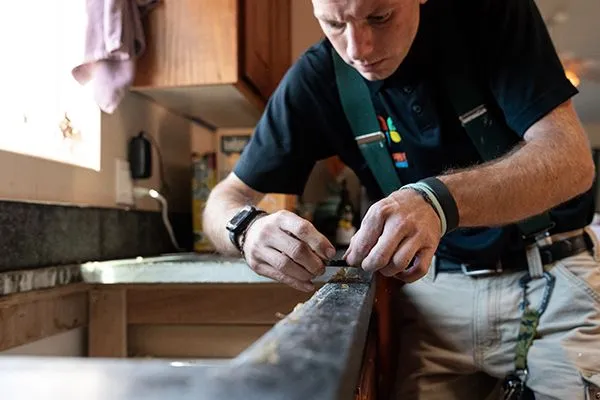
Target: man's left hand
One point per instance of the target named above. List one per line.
(398, 237)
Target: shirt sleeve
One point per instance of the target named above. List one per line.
(526, 76)
(289, 137)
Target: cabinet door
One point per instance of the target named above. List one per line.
(190, 43)
(266, 43)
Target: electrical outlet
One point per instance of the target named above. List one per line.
(123, 183)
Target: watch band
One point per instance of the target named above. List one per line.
(233, 239)
(240, 222)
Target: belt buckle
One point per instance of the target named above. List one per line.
(481, 272)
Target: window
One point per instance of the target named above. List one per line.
(45, 112)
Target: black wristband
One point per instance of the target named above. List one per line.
(446, 200)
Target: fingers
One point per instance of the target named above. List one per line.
(307, 233)
(285, 265)
(402, 258)
(363, 241)
(396, 230)
(381, 254)
(288, 249)
(299, 253)
(421, 265)
(270, 272)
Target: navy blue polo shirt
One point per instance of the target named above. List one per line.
(516, 65)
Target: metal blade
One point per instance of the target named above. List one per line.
(339, 263)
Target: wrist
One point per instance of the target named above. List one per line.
(239, 223)
(244, 234)
(445, 200)
(428, 196)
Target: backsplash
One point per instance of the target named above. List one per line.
(34, 235)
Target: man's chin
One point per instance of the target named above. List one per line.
(380, 71)
(375, 75)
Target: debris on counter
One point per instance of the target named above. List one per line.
(269, 353)
(297, 307)
(293, 316)
(346, 275)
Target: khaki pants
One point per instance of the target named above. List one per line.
(458, 334)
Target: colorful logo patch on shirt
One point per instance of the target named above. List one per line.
(393, 138)
(393, 132)
(400, 160)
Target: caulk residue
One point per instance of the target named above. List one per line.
(268, 353)
(346, 275)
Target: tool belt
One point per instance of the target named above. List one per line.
(517, 261)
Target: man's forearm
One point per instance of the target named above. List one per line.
(553, 166)
(224, 201)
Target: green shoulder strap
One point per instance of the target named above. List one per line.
(360, 113)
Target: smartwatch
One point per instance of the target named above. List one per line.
(240, 221)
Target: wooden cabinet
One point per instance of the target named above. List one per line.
(267, 51)
(217, 61)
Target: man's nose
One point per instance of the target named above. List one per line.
(360, 43)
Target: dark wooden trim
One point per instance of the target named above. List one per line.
(385, 345)
(367, 383)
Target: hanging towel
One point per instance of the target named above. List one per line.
(114, 39)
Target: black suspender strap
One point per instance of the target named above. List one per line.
(491, 137)
(360, 113)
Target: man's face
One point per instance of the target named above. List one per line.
(373, 36)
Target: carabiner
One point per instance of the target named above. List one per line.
(550, 281)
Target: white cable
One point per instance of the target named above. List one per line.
(141, 191)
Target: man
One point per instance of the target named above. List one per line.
(459, 329)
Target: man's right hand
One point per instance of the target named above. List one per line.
(287, 248)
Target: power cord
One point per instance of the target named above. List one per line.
(142, 192)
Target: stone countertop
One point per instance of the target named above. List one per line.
(313, 353)
(185, 268)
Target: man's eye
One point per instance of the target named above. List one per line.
(335, 25)
(380, 19)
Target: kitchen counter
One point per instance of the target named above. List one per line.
(182, 269)
(315, 352)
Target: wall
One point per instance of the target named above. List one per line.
(305, 28)
(39, 180)
(593, 132)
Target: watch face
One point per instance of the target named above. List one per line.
(238, 218)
